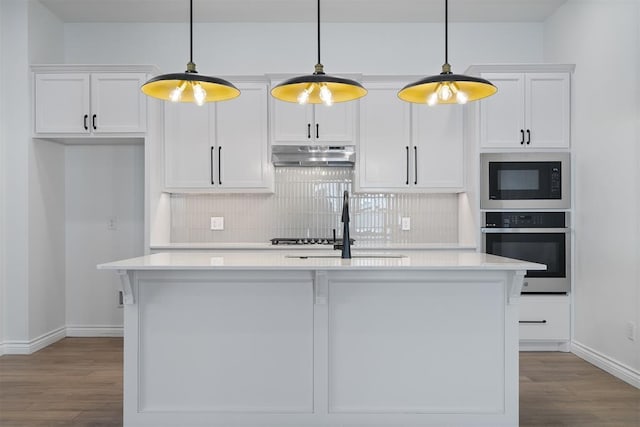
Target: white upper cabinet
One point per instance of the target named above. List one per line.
(529, 110)
(384, 148)
(438, 144)
(408, 148)
(219, 146)
(295, 124)
(242, 139)
(85, 104)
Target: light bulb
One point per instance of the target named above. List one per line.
(199, 94)
(325, 95)
(303, 98)
(445, 92)
(461, 97)
(432, 99)
(176, 94)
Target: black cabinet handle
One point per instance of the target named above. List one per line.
(219, 165)
(317, 131)
(309, 130)
(86, 126)
(407, 182)
(211, 166)
(93, 121)
(522, 137)
(528, 136)
(415, 165)
(533, 321)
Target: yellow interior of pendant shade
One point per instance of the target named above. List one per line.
(340, 92)
(162, 89)
(420, 93)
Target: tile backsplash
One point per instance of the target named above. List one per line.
(308, 203)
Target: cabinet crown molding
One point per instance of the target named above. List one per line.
(520, 68)
(94, 68)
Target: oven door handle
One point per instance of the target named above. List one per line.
(524, 230)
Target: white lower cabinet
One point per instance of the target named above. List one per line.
(545, 322)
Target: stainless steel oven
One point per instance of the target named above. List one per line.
(542, 237)
(525, 181)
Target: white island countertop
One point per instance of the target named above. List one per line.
(321, 260)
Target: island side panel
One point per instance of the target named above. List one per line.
(220, 343)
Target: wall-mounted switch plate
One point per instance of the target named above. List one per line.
(631, 331)
(217, 223)
(406, 223)
(112, 223)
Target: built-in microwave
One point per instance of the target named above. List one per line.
(525, 181)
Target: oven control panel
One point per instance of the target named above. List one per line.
(525, 220)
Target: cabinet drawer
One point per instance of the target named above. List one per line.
(545, 318)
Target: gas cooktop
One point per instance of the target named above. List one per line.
(306, 241)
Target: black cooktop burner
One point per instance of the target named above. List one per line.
(306, 241)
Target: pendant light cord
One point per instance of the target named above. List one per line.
(446, 31)
(190, 30)
(318, 31)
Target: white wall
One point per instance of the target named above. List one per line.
(248, 48)
(46, 195)
(102, 182)
(602, 39)
(32, 304)
(2, 190)
(15, 135)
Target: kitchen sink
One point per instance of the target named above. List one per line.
(352, 256)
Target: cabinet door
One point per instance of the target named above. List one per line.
(62, 103)
(296, 124)
(438, 147)
(334, 124)
(291, 123)
(241, 138)
(117, 104)
(502, 115)
(189, 146)
(383, 149)
(548, 109)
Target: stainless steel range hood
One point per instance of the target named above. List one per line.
(313, 155)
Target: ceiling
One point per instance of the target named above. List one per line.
(302, 10)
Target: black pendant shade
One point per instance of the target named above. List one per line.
(190, 86)
(446, 87)
(318, 88)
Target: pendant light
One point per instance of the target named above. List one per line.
(318, 88)
(190, 86)
(446, 87)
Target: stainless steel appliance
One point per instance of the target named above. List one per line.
(525, 181)
(287, 241)
(542, 237)
(313, 155)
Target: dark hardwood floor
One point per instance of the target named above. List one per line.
(78, 382)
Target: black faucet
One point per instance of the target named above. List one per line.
(346, 241)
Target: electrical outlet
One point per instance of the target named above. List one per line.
(112, 223)
(631, 331)
(406, 223)
(217, 223)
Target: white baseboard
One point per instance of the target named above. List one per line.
(563, 346)
(29, 347)
(95, 331)
(615, 368)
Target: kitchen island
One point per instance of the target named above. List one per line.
(284, 338)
